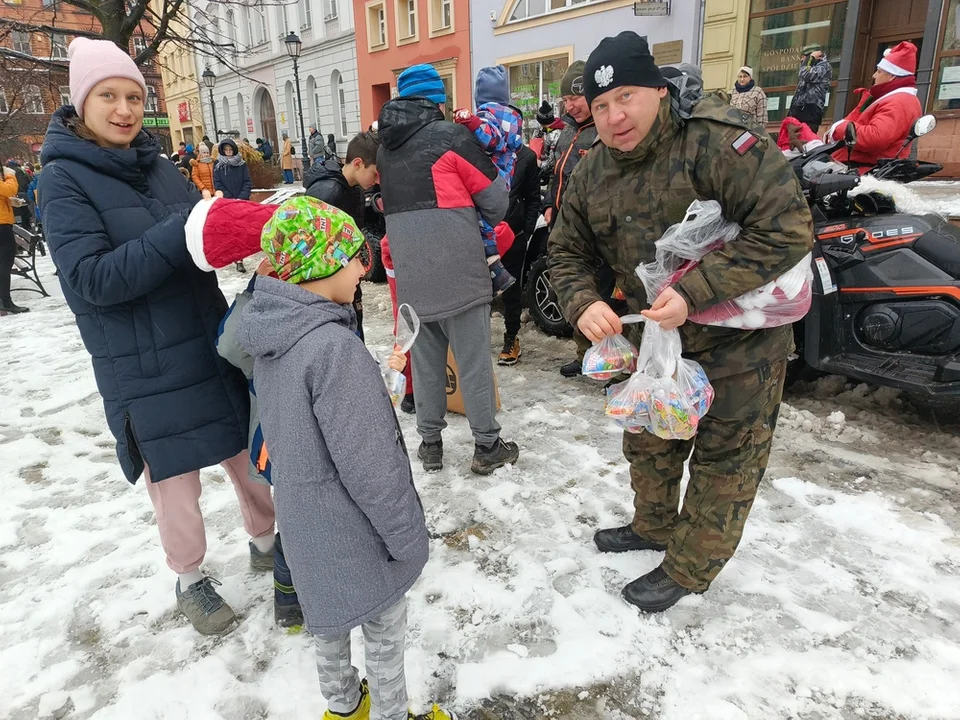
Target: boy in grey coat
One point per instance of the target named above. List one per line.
(352, 523)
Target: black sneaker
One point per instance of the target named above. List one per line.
(432, 455)
(571, 369)
(241, 268)
(287, 612)
(408, 405)
(488, 459)
(654, 592)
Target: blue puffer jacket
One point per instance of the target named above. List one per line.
(114, 220)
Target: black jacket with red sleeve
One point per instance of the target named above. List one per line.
(435, 178)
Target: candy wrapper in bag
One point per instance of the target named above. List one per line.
(396, 383)
(667, 395)
(609, 357)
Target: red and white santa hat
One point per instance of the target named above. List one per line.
(221, 232)
(900, 61)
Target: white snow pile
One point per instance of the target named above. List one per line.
(843, 600)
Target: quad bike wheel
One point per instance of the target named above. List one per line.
(542, 302)
(374, 262)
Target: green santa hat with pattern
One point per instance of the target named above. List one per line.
(306, 239)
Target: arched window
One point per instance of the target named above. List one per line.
(338, 96)
(241, 114)
(312, 104)
(227, 122)
(291, 109)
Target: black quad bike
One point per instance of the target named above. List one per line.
(886, 305)
(538, 294)
(374, 228)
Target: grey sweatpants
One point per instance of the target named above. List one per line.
(468, 334)
(384, 640)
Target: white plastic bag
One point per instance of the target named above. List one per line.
(408, 327)
(667, 395)
(611, 356)
(780, 302)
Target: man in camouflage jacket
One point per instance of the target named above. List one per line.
(656, 159)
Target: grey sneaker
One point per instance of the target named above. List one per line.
(205, 609)
(261, 561)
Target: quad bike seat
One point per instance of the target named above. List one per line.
(941, 246)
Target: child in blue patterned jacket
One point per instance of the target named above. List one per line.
(497, 126)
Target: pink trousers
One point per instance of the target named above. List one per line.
(176, 501)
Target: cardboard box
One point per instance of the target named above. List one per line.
(454, 397)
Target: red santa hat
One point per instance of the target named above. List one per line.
(900, 61)
(221, 232)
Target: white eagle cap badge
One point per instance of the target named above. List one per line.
(604, 76)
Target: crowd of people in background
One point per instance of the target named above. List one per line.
(289, 372)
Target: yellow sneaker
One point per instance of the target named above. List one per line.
(435, 714)
(363, 707)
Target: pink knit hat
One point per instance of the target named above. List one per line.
(92, 61)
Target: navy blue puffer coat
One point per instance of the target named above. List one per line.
(114, 221)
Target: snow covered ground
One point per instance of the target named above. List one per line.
(842, 602)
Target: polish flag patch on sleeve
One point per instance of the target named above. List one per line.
(743, 143)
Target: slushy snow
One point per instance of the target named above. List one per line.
(843, 600)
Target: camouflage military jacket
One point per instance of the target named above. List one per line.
(618, 204)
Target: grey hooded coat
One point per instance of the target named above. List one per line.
(352, 524)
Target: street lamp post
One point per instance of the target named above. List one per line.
(294, 46)
(210, 80)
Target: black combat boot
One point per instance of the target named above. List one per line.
(488, 459)
(624, 539)
(572, 369)
(408, 405)
(654, 592)
(432, 455)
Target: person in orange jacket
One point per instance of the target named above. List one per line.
(9, 187)
(202, 170)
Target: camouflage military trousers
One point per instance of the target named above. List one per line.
(384, 641)
(728, 460)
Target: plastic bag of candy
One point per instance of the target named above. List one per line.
(780, 302)
(667, 395)
(609, 357)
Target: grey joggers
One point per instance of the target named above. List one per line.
(384, 641)
(468, 334)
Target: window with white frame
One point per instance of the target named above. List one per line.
(21, 42)
(58, 46)
(406, 19)
(332, 10)
(261, 23)
(339, 102)
(139, 44)
(151, 105)
(64, 95)
(247, 25)
(441, 16)
(377, 25)
(4, 108)
(32, 100)
(525, 9)
(231, 23)
(305, 14)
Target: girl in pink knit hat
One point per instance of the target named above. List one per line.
(114, 212)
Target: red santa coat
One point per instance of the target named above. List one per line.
(881, 129)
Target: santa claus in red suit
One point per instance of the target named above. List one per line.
(886, 112)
